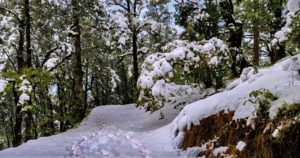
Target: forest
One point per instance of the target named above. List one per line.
(195, 66)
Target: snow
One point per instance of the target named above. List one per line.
(23, 98)
(3, 84)
(282, 80)
(240, 145)
(220, 150)
(109, 131)
(293, 5)
(115, 79)
(126, 131)
(51, 63)
(25, 88)
(275, 134)
(157, 71)
(193, 152)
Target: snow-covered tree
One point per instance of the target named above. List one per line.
(182, 72)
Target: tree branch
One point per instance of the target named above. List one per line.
(48, 54)
(62, 61)
(11, 12)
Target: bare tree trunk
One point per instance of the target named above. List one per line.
(78, 73)
(86, 89)
(256, 50)
(20, 57)
(17, 128)
(135, 56)
(29, 115)
(61, 103)
(18, 124)
(28, 36)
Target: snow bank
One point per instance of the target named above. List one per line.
(282, 80)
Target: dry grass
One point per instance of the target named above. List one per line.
(259, 140)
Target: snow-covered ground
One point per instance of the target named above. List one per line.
(109, 131)
(125, 131)
(281, 79)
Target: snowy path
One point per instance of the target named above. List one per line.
(109, 131)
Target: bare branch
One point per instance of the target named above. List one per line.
(10, 60)
(11, 12)
(48, 54)
(118, 4)
(62, 61)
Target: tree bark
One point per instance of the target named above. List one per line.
(78, 72)
(61, 103)
(135, 56)
(256, 49)
(277, 51)
(20, 57)
(18, 124)
(29, 115)
(235, 37)
(28, 36)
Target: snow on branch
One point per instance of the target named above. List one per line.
(167, 76)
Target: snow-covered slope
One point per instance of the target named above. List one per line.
(282, 80)
(125, 131)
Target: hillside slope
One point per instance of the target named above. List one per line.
(251, 97)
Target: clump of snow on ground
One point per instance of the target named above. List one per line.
(240, 145)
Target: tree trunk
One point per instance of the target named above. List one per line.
(18, 124)
(28, 124)
(61, 103)
(20, 58)
(135, 56)
(277, 51)
(78, 73)
(235, 38)
(17, 128)
(86, 89)
(29, 118)
(256, 50)
(28, 36)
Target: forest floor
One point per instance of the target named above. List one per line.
(109, 131)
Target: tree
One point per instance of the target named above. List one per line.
(78, 73)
